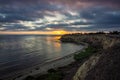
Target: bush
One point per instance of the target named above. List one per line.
(55, 76)
(29, 78)
(42, 77)
(51, 71)
(84, 54)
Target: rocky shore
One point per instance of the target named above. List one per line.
(104, 64)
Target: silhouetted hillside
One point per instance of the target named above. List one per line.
(108, 66)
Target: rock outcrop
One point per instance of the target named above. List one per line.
(104, 65)
(108, 66)
(87, 65)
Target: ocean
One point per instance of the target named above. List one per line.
(18, 52)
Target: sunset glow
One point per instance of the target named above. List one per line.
(57, 32)
(60, 32)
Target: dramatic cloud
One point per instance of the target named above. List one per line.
(71, 15)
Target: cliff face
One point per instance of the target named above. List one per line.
(108, 66)
(98, 41)
(102, 66)
(105, 64)
(87, 65)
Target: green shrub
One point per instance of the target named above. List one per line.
(29, 78)
(52, 75)
(51, 71)
(55, 76)
(84, 54)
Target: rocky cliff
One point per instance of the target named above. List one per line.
(103, 65)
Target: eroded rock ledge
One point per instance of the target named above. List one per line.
(103, 65)
(87, 65)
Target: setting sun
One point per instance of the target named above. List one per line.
(60, 32)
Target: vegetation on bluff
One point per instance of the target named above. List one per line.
(51, 75)
(108, 66)
(84, 54)
(108, 47)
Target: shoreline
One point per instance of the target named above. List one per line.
(43, 68)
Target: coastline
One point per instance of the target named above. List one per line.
(43, 68)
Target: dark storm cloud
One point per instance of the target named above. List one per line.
(5, 2)
(25, 10)
(102, 15)
(31, 2)
(102, 1)
(16, 27)
(64, 14)
(15, 18)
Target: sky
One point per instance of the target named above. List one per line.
(54, 15)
